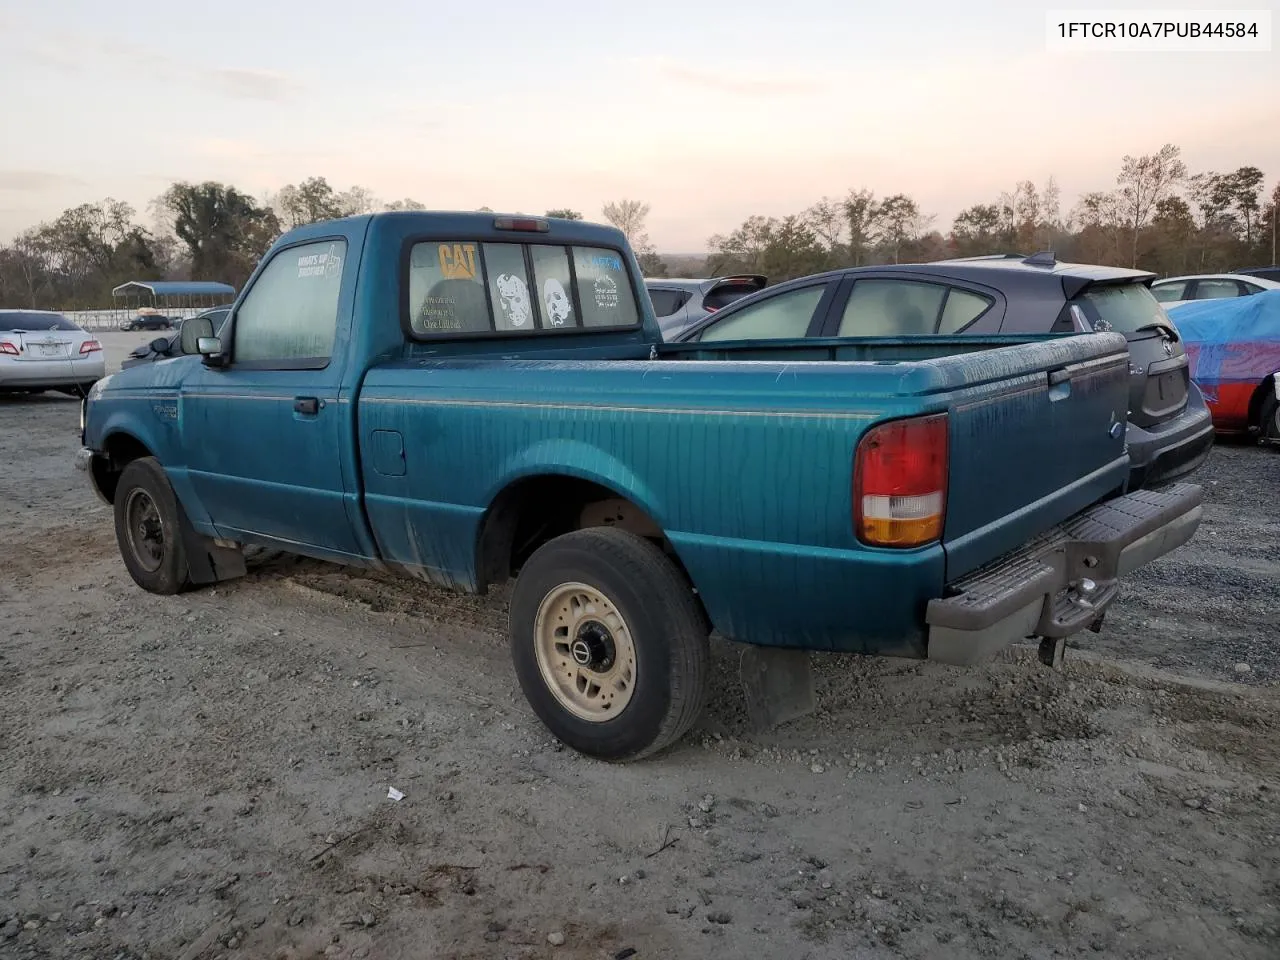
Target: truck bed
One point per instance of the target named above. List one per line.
(732, 452)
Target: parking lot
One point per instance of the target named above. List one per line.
(208, 775)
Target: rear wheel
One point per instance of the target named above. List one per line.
(609, 644)
(149, 528)
(1269, 418)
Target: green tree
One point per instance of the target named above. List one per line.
(310, 201)
(224, 231)
(897, 222)
(860, 213)
(979, 230)
(564, 213)
(780, 249)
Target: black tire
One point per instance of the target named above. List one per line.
(663, 619)
(1269, 417)
(143, 485)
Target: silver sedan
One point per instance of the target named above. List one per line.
(40, 350)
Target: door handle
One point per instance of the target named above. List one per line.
(307, 405)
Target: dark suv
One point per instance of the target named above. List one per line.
(1169, 431)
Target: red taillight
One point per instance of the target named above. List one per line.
(9, 348)
(527, 224)
(90, 346)
(900, 482)
(709, 309)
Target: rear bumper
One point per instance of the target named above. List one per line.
(25, 374)
(1172, 449)
(1062, 581)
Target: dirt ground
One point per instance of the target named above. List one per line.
(207, 776)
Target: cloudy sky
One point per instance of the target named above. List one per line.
(710, 110)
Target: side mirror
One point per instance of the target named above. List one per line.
(193, 331)
(159, 345)
(209, 346)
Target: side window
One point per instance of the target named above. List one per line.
(461, 287)
(1249, 289)
(291, 314)
(1216, 289)
(604, 288)
(1168, 292)
(892, 308)
(961, 309)
(666, 302)
(784, 316)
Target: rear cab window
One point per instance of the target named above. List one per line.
(472, 287)
(1121, 308)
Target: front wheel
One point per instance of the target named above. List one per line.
(609, 643)
(149, 528)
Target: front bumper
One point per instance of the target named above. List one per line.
(1063, 581)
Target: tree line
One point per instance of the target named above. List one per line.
(1158, 217)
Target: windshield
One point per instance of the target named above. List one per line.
(34, 322)
(1122, 308)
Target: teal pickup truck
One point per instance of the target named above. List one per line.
(470, 398)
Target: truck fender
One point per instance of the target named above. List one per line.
(573, 458)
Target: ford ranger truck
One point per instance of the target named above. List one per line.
(467, 398)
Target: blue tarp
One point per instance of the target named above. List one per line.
(176, 288)
(1227, 331)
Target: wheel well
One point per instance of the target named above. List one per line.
(119, 450)
(532, 511)
(1259, 397)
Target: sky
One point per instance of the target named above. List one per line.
(709, 110)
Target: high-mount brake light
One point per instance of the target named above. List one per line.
(525, 224)
(900, 482)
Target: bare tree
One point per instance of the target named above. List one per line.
(1143, 181)
(564, 213)
(630, 217)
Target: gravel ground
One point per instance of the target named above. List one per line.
(207, 776)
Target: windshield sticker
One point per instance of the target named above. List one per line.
(609, 263)
(606, 293)
(515, 299)
(559, 306)
(327, 264)
(458, 261)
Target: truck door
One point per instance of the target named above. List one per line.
(268, 436)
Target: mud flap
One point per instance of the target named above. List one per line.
(777, 684)
(207, 561)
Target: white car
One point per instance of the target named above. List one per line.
(40, 350)
(1208, 286)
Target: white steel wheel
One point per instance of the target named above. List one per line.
(585, 652)
(608, 643)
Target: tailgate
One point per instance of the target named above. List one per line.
(1036, 435)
